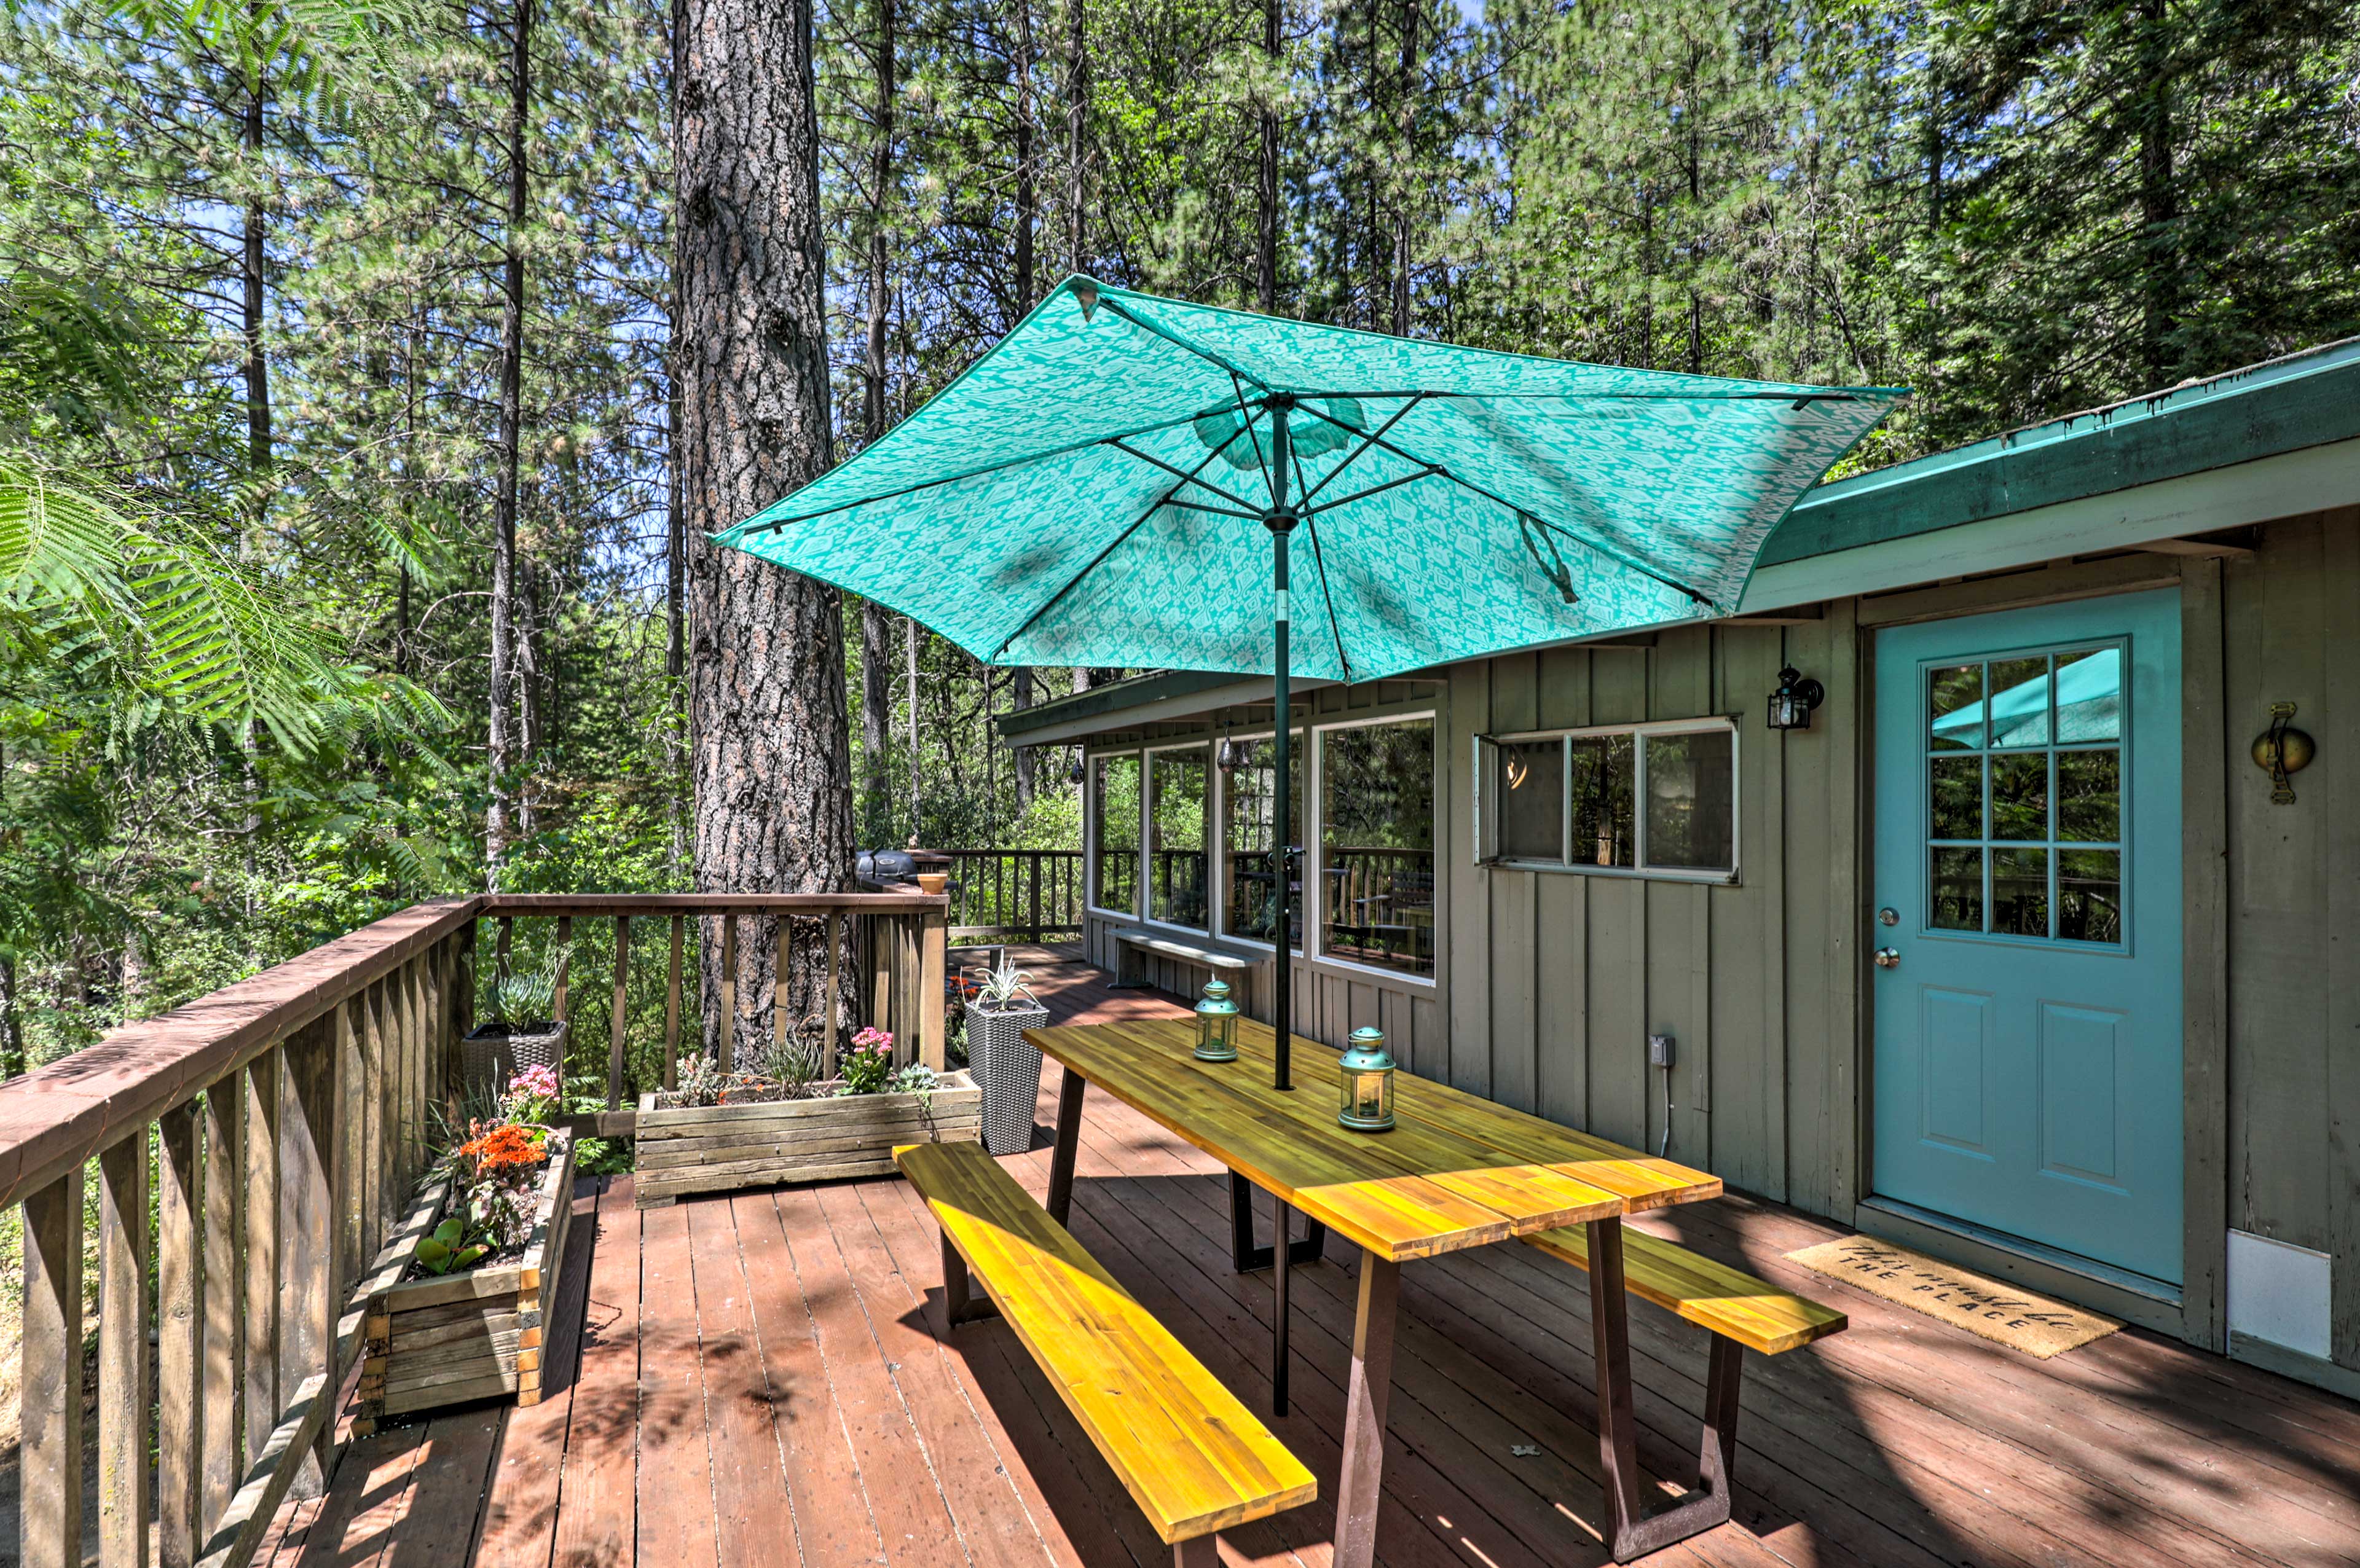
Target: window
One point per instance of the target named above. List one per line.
(1643, 798)
(1177, 884)
(1376, 846)
(1114, 808)
(1249, 897)
(2024, 822)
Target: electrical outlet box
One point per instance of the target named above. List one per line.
(1659, 1050)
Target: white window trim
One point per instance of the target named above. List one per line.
(1212, 864)
(1638, 730)
(1090, 761)
(1315, 825)
(1221, 899)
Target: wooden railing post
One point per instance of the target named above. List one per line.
(672, 1006)
(934, 1036)
(123, 1497)
(728, 1037)
(781, 960)
(622, 1004)
(50, 1444)
(835, 987)
(311, 1278)
(179, 1335)
(262, 1242)
(564, 961)
(223, 1397)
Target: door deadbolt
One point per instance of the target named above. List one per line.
(1888, 916)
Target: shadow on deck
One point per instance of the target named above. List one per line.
(765, 1378)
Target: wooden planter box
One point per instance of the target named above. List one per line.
(466, 1336)
(715, 1148)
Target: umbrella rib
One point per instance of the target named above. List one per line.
(1186, 477)
(1366, 442)
(1178, 342)
(1430, 470)
(1112, 544)
(1561, 531)
(1335, 627)
(1247, 416)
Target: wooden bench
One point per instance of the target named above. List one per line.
(1741, 1314)
(1189, 1452)
(1132, 942)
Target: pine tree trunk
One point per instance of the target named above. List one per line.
(770, 753)
(1019, 699)
(502, 740)
(1267, 177)
(1077, 101)
(676, 604)
(2158, 201)
(876, 621)
(876, 723)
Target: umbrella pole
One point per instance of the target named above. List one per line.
(1280, 520)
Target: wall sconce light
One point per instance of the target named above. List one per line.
(1791, 704)
(1517, 770)
(2282, 750)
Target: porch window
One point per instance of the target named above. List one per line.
(1376, 846)
(1250, 896)
(1656, 798)
(1114, 810)
(1178, 885)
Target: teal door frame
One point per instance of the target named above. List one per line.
(2031, 1084)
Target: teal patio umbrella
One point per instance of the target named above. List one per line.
(1096, 490)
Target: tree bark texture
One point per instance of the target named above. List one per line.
(770, 755)
(502, 741)
(876, 621)
(1077, 101)
(1266, 176)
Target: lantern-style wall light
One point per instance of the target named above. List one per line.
(1368, 1074)
(1216, 1024)
(1791, 704)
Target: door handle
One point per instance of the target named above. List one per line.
(1887, 957)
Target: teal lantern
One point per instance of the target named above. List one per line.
(1216, 1024)
(1368, 1070)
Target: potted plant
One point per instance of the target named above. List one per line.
(783, 1122)
(453, 1310)
(520, 1032)
(1006, 1063)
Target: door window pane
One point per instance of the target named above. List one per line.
(1529, 783)
(1250, 908)
(2020, 892)
(2089, 695)
(1691, 780)
(1376, 848)
(1957, 884)
(2019, 796)
(2019, 702)
(1957, 796)
(2089, 802)
(2090, 894)
(1955, 700)
(1601, 777)
(1175, 846)
(1114, 808)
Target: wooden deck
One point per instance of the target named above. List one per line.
(765, 1378)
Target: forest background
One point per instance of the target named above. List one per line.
(330, 334)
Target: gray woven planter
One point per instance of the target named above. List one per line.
(1008, 1066)
(491, 1055)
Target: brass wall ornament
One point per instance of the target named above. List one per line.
(2283, 750)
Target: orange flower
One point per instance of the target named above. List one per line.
(508, 1147)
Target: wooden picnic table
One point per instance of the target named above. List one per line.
(1455, 1173)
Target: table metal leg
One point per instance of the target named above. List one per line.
(1633, 1533)
(1069, 1140)
(1244, 1254)
(1282, 1255)
(1365, 1396)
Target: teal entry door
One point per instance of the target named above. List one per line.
(2026, 925)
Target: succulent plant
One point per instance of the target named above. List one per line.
(450, 1248)
(524, 996)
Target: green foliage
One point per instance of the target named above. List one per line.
(452, 1248)
(523, 996)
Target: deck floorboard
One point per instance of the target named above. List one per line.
(765, 1378)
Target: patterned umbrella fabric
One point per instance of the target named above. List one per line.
(1093, 491)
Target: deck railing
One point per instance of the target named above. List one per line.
(1016, 894)
(283, 1122)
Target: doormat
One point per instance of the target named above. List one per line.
(2004, 1313)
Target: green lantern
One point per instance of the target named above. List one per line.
(1368, 1070)
(1216, 1024)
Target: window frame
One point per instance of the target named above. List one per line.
(1147, 755)
(1220, 899)
(1090, 819)
(1486, 747)
(1315, 831)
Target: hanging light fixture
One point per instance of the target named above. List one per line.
(1791, 704)
(1232, 756)
(1074, 772)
